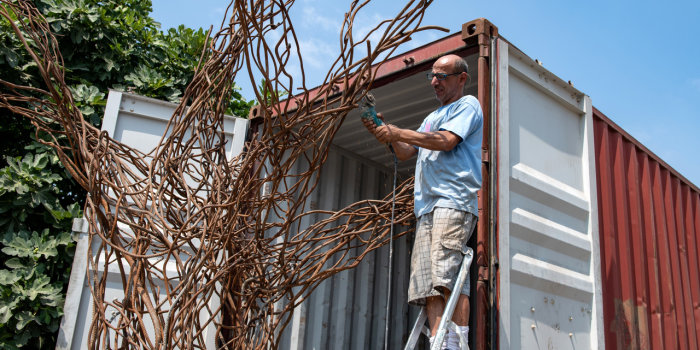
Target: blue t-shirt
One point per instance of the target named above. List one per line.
(450, 179)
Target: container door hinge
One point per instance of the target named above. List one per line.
(484, 46)
(485, 156)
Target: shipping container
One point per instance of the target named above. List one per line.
(649, 223)
(586, 239)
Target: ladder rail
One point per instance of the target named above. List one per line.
(446, 321)
(418, 328)
(452, 301)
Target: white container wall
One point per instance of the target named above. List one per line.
(550, 287)
(138, 122)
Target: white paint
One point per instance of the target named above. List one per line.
(550, 287)
(75, 286)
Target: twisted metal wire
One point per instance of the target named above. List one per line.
(202, 242)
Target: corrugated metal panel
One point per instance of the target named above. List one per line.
(348, 310)
(649, 224)
(549, 284)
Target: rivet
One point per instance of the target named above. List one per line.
(571, 335)
(552, 301)
(532, 309)
(571, 318)
(533, 326)
(545, 300)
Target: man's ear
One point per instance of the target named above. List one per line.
(467, 79)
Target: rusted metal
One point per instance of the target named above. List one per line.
(185, 222)
(649, 223)
(483, 31)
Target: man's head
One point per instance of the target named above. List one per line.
(449, 76)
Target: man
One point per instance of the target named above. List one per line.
(447, 178)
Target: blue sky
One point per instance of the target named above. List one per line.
(639, 61)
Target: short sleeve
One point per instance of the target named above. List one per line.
(462, 118)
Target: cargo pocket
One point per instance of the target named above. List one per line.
(455, 228)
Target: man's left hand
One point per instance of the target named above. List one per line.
(387, 133)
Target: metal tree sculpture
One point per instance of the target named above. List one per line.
(183, 221)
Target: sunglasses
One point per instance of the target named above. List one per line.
(440, 76)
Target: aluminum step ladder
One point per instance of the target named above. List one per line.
(446, 321)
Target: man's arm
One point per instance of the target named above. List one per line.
(403, 140)
(436, 141)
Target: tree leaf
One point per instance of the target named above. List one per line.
(5, 313)
(10, 57)
(9, 278)
(55, 299)
(18, 247)
(23, 318)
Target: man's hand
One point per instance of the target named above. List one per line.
(371, 126)
(387, 133)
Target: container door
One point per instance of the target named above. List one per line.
(138, 122)
(549, 268)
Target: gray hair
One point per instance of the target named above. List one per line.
(461, 66)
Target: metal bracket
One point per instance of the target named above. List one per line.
(477, 27)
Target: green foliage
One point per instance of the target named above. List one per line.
(35, 266)
(270, 95)
(106, 44)
(31, 298)
(238, 106)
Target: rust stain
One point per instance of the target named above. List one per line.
(630, 326)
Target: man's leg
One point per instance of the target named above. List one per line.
(461, 314)
(461, 318)
(435, 306)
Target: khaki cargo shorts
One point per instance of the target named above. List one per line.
(440, 245)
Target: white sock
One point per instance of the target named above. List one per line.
(451, 340)
(465, 332)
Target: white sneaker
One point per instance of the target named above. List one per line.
(465, 333)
